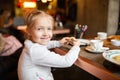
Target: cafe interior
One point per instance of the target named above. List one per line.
(86, 20)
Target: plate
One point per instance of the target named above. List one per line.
(112, 56)
(89, 48)
(84, 42)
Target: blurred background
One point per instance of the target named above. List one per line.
(99, 15)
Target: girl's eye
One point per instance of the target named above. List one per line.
(49, 28)
(39, 28)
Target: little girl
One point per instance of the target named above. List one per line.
(36, 59)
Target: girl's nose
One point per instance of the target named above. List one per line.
(45, 32)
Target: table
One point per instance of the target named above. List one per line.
(93, 64)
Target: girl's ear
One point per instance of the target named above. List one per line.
(28, 32)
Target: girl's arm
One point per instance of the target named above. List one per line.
(53, 44)
(40, 55)
(44, 57)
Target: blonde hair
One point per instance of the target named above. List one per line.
(35, 14)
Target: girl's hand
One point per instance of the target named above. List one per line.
(65, 40)
(70, 40)
(76, 42)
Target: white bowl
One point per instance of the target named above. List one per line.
(115, 42)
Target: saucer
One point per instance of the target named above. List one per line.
(89, 48)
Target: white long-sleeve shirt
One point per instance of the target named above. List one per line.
(36, 60)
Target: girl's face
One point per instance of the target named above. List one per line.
(42, 31)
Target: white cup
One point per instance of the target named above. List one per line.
(102, 35)
(96, 45)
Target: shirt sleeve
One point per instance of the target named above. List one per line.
(42, 56)
(53, 44)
